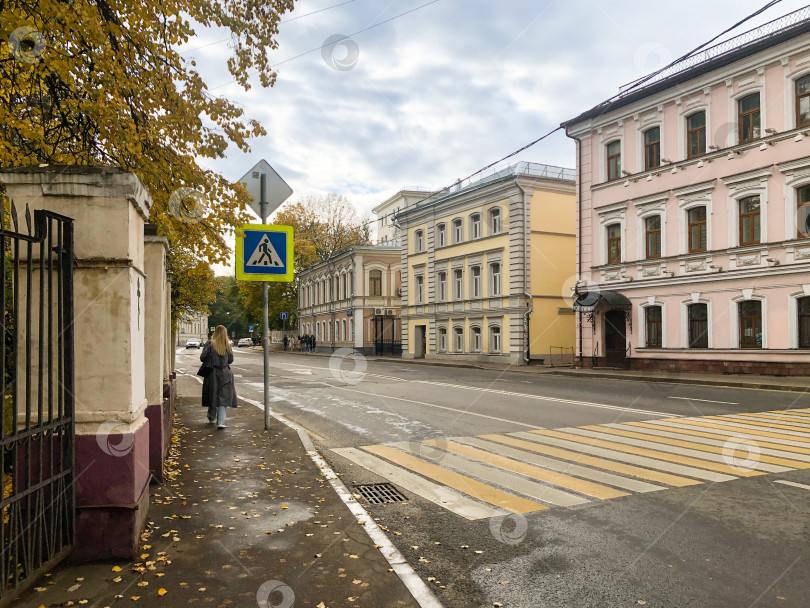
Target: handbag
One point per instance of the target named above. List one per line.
(206, 368)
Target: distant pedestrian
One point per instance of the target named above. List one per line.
(286, 342)
(219, 389)
(314, 344)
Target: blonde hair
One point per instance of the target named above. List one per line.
(220, 342)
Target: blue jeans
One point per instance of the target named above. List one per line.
(217, 413)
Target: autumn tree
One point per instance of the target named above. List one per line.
(194, 286)
(323, 227)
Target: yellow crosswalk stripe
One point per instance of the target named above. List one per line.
(459, 482)
(803, 413)
(779, 418)
(588, 488)
(712, 449)
(628, 449)
(759, 442)
(785, 427)
(747, 429)
(599, 463)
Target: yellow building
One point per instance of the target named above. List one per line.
(487, 268)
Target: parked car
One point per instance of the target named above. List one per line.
(193, 343)
(245, 342)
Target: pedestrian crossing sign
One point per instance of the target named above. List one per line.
(264, 253)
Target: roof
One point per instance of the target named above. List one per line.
(712, 58)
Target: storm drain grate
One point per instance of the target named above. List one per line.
(380, 493)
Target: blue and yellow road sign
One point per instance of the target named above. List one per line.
(264, 253)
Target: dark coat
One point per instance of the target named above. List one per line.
(218, 386)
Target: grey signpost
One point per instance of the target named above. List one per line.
(268, 191)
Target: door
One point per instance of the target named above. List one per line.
(615, 339)
(420, 341)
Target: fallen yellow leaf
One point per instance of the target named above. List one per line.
(162, 592)
(116, 568)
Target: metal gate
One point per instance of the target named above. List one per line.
(37, 434)
(385, 336)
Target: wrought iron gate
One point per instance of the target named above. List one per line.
(37, 433)
(385, 336)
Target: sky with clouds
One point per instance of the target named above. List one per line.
(434, 95)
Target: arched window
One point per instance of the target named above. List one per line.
(696, 134)
(419, 241)
(495, 339)
(652, 148)
(749, 118)
(614, 243)
(442, 339)
(614, 160)
(652, 228)
(458, 336)
(458, 230)
(495, 220)
(475, 226)
(476, 340)
(441, 235)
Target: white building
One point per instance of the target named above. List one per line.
(195, 327)
(388, 235)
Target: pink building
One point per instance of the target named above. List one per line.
(693, 226)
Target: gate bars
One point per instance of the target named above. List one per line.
(37, 385)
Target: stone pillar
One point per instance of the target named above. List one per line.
(111, 474)
(158, 405)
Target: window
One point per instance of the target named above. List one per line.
(614, 160)
(443, 339)
(345, 335)
(653, 320)
(803, 101)
(375, 283)
(748, 110)
(495, 339)
(750, 324)
(803, 201)
(804, 322)
(495, 274)
(749, 220)
(458, 284)
(475, 283)
(458, 231)
(652, 148)
(614, 235)
(420, 289)
(495, 221)
(441, 235)
(476, 339)
(697, 229)
(442, 286)
(652, 227)
(698, 325)
(696, 134)
(475, 226)
(419, 238)
(458, 333)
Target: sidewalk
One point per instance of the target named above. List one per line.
(244, 513)
(774, 383)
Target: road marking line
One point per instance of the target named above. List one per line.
(801, 413)
(768, 417)
(700, 448)
(792, 483)
(554, 478)
(502, 478)
(725, 435)
(438, 494)
(661, 465)
(705, 400)
(534, 444)
(685, 460)
(626, 483)
(740, 428)
(795, 418)
(773, 449)
(441, 407)
(459, 482)
(761, 423)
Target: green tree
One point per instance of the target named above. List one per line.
(229, 310)
(194, 286)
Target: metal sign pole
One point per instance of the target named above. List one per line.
(265, 318)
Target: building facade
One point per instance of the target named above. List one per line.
(693, 205)
(388, 234)
(353, 301)
(195, 327)
(486, 264)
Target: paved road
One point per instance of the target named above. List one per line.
(541, 490)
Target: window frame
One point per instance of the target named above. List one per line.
(755, 218)
(741, 322)
(476, 339)
(701, 133)
(458, 284)
(691, 248)
(654, 328)
(799, 204)
(420, 289)
(371, 282)
(611, 177)
(495, 279)
(495, 337)
(494, 215)
(441, 234)
(755, 115)
(611, 240)
(419, 241)
(691, 339)
(799, 317)
(798, 98)
(475, 281)
(458, 339)
(653, 147)
(442, 335)
(648, 232)
(442, 284)
(458, 230)
(475, 226)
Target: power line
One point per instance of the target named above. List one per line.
(281, 21)
(413, 10)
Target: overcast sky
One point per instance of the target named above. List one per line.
(436, 94)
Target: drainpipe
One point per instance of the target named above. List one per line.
(530, 309)
(579, 245)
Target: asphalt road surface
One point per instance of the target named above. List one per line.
(536, 490)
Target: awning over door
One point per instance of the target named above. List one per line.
(589, 300)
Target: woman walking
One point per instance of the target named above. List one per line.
(219, 390)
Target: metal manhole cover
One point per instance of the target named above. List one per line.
(380, 493)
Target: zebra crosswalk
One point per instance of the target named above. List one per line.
(539, 469)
